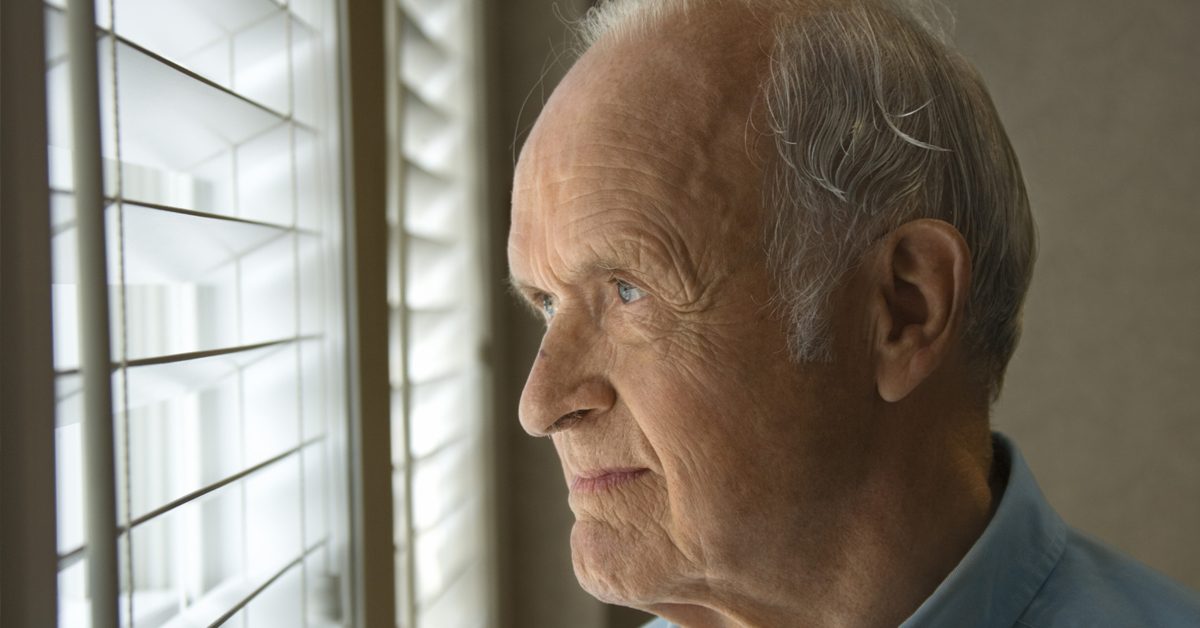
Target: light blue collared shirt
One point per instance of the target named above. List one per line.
(1032, 570)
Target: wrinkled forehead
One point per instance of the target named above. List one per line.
(688, 82)
(652, 123)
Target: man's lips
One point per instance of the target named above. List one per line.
(589, 482)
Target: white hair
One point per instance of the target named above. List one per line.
(877, 120)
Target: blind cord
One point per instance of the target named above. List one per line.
(120, 208)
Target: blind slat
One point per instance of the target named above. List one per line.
(442, 482)
(439, 344)
(173, 119)
(205, 490)
(440, 411)
(461, 602)
(154, 24)
(439, 19)
(226, 601)
(431, 139)
(434, 272)
(444, 550)
(428, 69)
(190, 371)
(433, 206)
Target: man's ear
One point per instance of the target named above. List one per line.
(920, 292)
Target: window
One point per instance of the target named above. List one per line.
(222, 219)
(185, 379)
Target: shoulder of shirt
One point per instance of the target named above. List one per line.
(659, 623)
(1097, 585)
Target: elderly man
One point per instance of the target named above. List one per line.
(781, 248)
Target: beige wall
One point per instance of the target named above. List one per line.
(1102, 100)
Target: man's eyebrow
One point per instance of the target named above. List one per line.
(524, 294)
(518, 287)
(600, 266)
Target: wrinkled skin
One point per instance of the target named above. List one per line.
(735, 487)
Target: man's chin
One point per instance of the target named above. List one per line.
(616, 567)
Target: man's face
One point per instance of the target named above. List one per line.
(686, 434)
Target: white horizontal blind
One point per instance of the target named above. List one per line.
(438, 315)
(224, 263)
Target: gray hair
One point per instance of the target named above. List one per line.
(877, 120)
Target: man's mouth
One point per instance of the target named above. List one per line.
(599, 480)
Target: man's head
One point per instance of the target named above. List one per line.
(723, 215)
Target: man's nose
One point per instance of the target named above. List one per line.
(566, 385)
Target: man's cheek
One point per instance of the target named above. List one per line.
(672, 399)
(679, 368)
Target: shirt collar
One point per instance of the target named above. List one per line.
(997, 579)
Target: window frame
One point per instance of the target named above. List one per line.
(364, 187)
(28, 542)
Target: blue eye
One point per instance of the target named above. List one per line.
(549, 305)
(629, 293)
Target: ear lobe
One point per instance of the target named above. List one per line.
(922, 286)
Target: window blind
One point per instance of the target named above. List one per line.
(437, 317)
(223, 250)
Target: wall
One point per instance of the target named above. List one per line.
(1100, 98)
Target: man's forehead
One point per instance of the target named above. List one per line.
(613, 236)
(647, 143)
(590, 125)
(679, 81)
